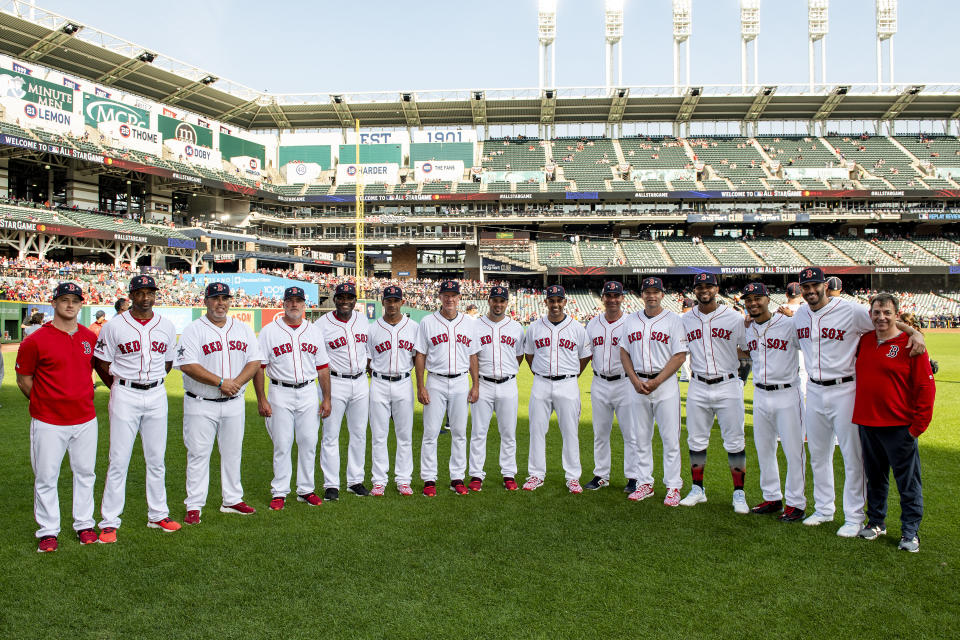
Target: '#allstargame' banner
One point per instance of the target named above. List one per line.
(437, 170)
(192, 154)
(37, 116)
(128, 136)
(382, 173)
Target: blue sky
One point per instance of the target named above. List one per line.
(370, 45)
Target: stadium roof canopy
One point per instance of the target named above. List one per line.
(72, 48)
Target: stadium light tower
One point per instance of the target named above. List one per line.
(682, 30)
(817, 28)
(749, 33)
(547, 34)
(613, 23)
(886, 28)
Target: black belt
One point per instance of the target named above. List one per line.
(648, 376)
(555, 378)
(140, 386)
(396, 378)
(444, 375)
(193, 395)
(292, 385)
(498, 380)
(830, 383)
(346, 375)
(722, 378)
(771, 387)
(609, 378)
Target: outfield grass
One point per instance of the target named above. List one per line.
(489, 565)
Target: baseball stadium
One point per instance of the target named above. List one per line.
(123, 168)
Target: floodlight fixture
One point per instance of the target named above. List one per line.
(147, 57)
(71, 28)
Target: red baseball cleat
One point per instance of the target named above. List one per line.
(509, 484)
(108, 535)
(47, 544)
(241, 508)
(459, 487)
(277, 503)
(87, 536)
(193, 517)
(166, 525)
(311, 499)
(476, 484)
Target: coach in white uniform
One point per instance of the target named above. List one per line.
(501, 352)
(447, 347)
(218, 355)
(294, 358)
(557, 350)
(390, 347)
(134, 353)
(345, 330)
(715, 334)
(777, 404)
(609, 391)
(829, 331)
(653, 346)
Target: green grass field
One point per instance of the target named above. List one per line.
(489, 565)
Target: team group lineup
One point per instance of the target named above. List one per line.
(309, 376)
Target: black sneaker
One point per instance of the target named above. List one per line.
(791, 514)
(631, 486)
(768, 506)
(596, 483)
(331, 495)
(358, 490)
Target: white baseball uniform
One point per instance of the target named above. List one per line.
(501, 343)
(793, 306)
(138, 354)
(715, 389)
(651, 342)
(390, 348)
(292, 356)
(608, 396)
(447, 345)
(829, 339)
(347, 350)
(778, 407)
(207, 413)
(557, 350)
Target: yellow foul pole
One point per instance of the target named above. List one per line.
(361, 217)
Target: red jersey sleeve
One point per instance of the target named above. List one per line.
(27, 357)
(924, 390)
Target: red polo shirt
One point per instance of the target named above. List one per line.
(893, 389)
(61, 365)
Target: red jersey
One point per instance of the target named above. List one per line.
(893, 389)
(61, 365)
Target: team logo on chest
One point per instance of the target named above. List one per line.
(828, 333)
(444, 338)
(722, 334)
(217, 346)
(129, 347)
(894, 350)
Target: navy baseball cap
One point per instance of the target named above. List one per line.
(834, 283)
(613, 287)
(67, 288)
(450, 286)
(142, 282)
(346, 289)
(499, 292)
(651, 283)
(556, 291)
(294, 292)
(393, 292)
(706, 279)
(756, 289)
(217, 289)
(812, 274)
(793, 289)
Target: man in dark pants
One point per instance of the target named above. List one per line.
(894, 404)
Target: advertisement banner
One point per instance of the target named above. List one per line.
(382, 173)
(247, 165)
(254, 284)
(816, 173)
(663, 174)
(301, 172)
(32, 115)
(193, 154)
(173, 129)
(379, 137)
(97, 110)
(127, 136)
(246, 316)
(513, 176)
(445, 135)
(26, 87)
(448, 170)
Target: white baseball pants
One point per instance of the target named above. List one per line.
(830, 413)
(295, 418)
(350, 398)
(391, 399)
(547, 396)
(723, 400)
(609, 398)
(447, 396)
(48, 444)
(502, 399)
(780, 413)
(663, 407)
(145, 412)
(203, 422)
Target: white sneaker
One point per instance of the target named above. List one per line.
(850, 529)
(816, 518)
(573, 485)
(673, 498)
(404, 489)
(696, 496)
(740, 502)
(643, 492)
(532, 483)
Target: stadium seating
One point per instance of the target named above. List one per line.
(586, 162)
(819, 252)
(599, 253)
(943, 248)
(644, 253)
(799, 151)
(731, 158)
(685, 253)
(556, 253)
(731, 252)
(777, 253)
(863, 252)
(880, 157)
(513, 155)
(38, 215)
(909, 253)
(938, 150)
(655, 153)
